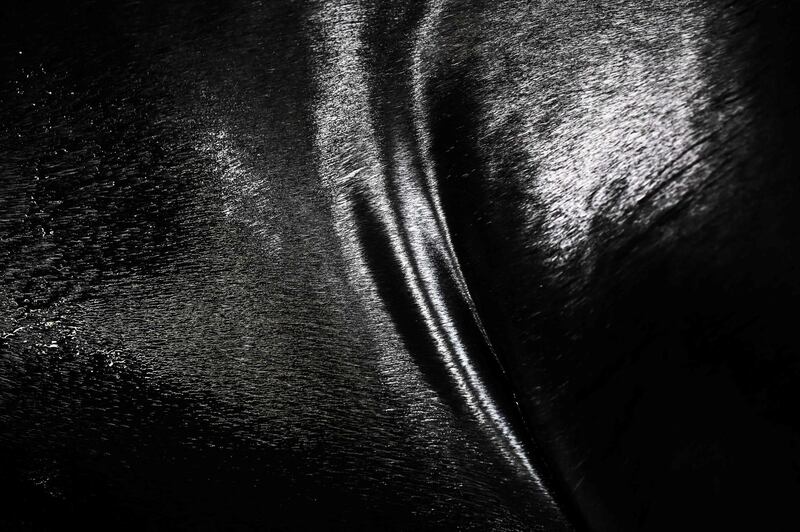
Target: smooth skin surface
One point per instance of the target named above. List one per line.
(398, 265)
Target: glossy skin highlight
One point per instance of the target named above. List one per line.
(386, 265)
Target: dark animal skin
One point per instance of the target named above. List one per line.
(399, 265)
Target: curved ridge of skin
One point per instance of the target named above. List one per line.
(384, 195)
(382, 184)
(249, 311)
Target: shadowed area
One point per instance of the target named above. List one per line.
(621, 188)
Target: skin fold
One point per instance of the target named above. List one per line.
(398, 265)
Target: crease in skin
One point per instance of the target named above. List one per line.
(423, 142)
(402, 199)
(424, 42)
(349, 166)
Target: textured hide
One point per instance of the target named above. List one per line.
(372, 264)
